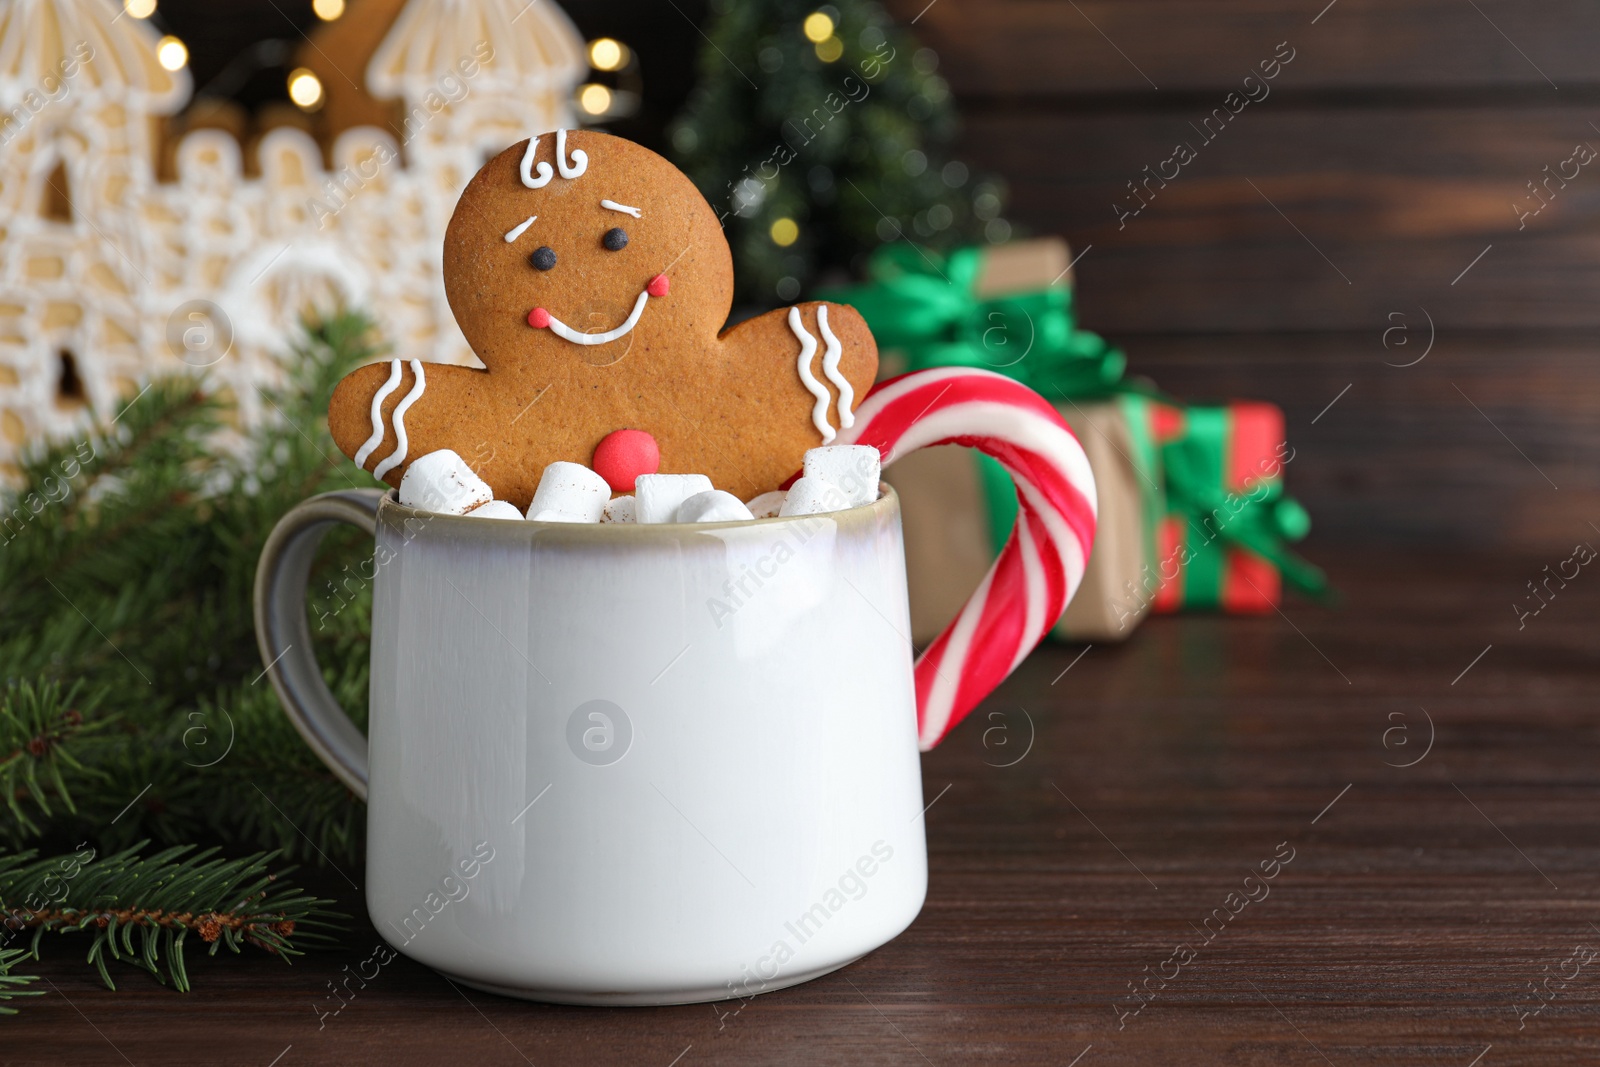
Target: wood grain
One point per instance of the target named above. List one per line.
(1297, 218)
(1492, 439)
(1021, 48)
(1418, 906)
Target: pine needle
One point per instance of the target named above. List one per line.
(43, 737)
(141, 911)
(14, 985)
(131, 700)
(127, 562)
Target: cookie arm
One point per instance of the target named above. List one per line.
(857, 350)
(362, 416)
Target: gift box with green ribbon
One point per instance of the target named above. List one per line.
(1009, 309)
(1223, 544)
(1187, 490)
(997, 308)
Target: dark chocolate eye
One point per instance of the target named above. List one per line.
(615, 240)
(543, 257)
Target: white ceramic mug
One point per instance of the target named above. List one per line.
(622, 764)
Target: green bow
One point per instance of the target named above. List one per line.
(1260, 518)
(924, 303)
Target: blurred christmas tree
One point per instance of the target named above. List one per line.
(819, 133)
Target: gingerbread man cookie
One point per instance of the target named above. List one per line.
(592, 279)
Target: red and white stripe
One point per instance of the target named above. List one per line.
(1029, 585)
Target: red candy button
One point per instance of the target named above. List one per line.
(538, 318)
(623, 455)
(658, 285)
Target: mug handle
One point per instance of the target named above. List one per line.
(283, 631)
(1042, 564)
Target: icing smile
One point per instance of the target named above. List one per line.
(541, 319)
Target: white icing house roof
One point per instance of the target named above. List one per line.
(41, 39)
(535, 44)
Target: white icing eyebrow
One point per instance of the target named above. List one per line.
(612, 205)
(520, 228)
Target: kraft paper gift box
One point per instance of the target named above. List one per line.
(951, 526)
(1008, 309)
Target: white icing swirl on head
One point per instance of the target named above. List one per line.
(808, 348)
(580, 158)
(830, 368)
(365, 452)
(524, 169)
(401, 444)
(520, 228)
(612, 205)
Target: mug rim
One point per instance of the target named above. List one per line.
(390, 510)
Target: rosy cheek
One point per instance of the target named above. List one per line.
(658, 285)
(538, 318)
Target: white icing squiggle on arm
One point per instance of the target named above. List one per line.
(401, 444)
(524, 169)
(612, 205)
(365, 453)
(808, 348)
(520, 228)
(830, 368)
(580, 158)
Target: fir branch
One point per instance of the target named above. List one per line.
(271, 791)
(142, 911)
(12, 985)
(42, 728)
(78, 492)
(134, 569)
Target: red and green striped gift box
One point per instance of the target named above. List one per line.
(1223, 542)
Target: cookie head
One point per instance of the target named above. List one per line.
(592, 279)
(568, 242)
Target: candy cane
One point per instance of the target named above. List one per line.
(1029, 585)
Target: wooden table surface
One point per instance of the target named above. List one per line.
(1420, 905)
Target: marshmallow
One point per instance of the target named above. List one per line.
(497, 509)
(657, 496)
(551, 515)
(441, 481)
(572, 490)
(853, 468)
(810, 496)
(713, 506)
(619, 509)
(767, 505)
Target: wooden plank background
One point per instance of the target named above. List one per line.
(1383, 162)
(1033, 48)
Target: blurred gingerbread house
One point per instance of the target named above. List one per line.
(109, 276)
